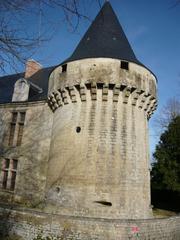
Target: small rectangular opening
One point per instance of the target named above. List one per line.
(14, 117)
(100, 85)
(11, 135)
(88, 86)
(22, 116)
(6, 163)
(124, 65)
(105, 203)
(77, 87)
(15, 163)
(64, 68)
(13, 180)
(111, 86)
(20, 134)
(4, 179)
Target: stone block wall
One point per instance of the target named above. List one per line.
(31, 225)
(107, 162)
(32, 154)
(102, 170)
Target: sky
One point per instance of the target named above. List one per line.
(152, 28)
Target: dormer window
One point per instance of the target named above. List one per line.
(64, 68)
(21, 90)
(124, 65)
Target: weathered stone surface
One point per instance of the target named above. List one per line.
(86, 154)
(84, 159)
(83, 162)
(103, 70)
(103, 170)
(33, 153)
(30, 225)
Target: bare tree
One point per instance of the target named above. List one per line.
(169, 112)
(19, 42)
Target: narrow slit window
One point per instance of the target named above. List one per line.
(6, 163)
(5, 172)
(12, 128)
(64, 68)
(14, 117)
(5, 179)
(13, 180)
(105, 203)
(22, 116)
(16, 128)
(12, 132)
(124, 65)
(14, 164)
(20, 133)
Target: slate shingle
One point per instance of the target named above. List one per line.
(40, 78)
(104, 38)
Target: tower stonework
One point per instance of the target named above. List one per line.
(74, 151)
(101, 98)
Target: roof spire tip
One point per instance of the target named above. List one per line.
(104, 38)
(107, 2)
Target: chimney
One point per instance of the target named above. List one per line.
(31, 68)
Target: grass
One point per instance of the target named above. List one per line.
(160, 213)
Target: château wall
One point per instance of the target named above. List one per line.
(32, 154)
(31, 225)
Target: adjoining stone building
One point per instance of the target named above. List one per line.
(74, 143)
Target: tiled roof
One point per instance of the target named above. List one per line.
(104, 38)
(40, 79)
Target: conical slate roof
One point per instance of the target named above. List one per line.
(104, 38)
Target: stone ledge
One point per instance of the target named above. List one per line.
(22, 104)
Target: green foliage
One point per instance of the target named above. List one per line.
(166, 168)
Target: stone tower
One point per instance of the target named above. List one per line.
(101, 99)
